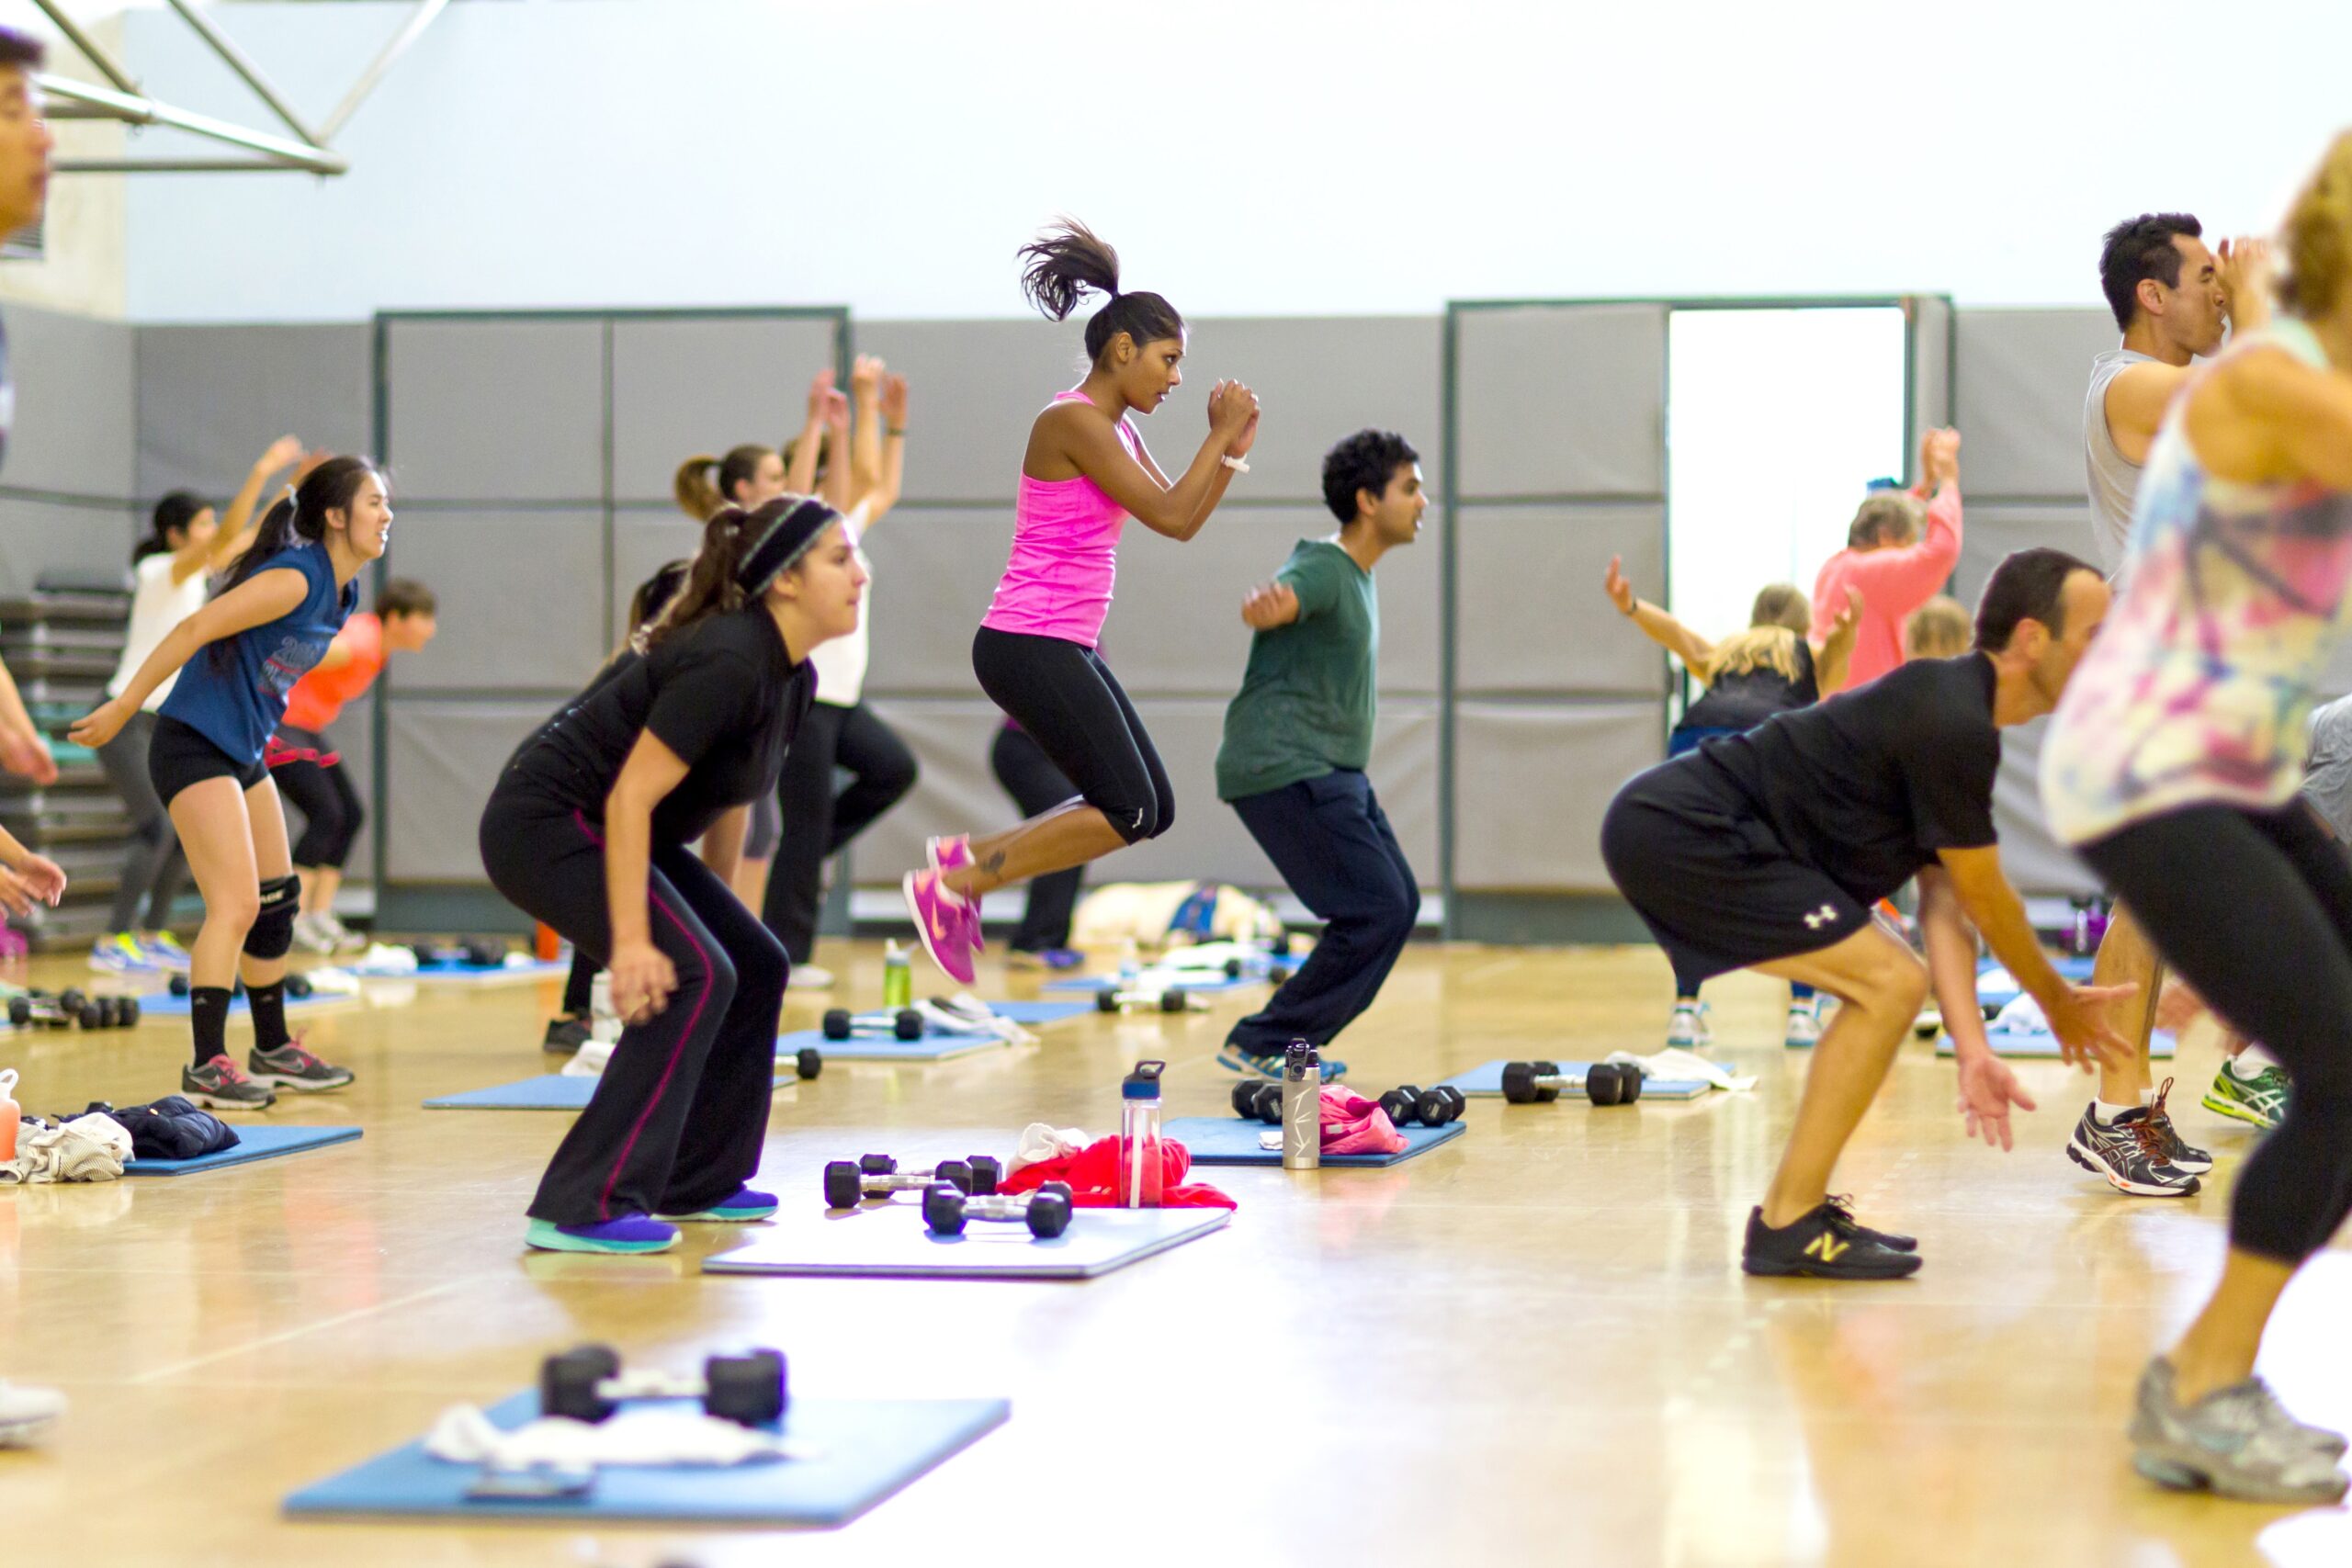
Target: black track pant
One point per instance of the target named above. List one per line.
(2255, 910)
(1067, 700)
(677, 1120)
(1029, 777)
(330, 807)
(816, 822)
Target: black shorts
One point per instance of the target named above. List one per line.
(181, 755)
(1715, 884)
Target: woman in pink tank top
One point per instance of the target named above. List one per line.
(1086, 472)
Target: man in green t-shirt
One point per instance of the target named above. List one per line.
(1296, 738)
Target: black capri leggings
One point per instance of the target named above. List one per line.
(332, 814)
(679, 1114)
(1070, 704)
(2255, 910)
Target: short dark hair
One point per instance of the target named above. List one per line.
(21, 50)
(1366, 460)
(2029, 585)
(173, 514)
(2141, 248)
(405, 596)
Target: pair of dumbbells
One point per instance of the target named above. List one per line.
(1540, 1083)
(905, 1024)
(1409, 1103)
(587, 1384)
(947, 1209)
(849, 1182)
(39, 1009)
(1110, 999)
(297, 986)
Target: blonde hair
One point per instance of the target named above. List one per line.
(2318, 236)
(1758, 647)
(705, 484)
(1886, 516)
(1780, 604)
(1940, 628)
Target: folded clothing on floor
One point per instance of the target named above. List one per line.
(88, 1148)
(636, 1434)
(1092, 1175)
(170, 1128)
(1355, 1126)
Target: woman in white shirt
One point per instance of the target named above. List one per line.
(171, 566)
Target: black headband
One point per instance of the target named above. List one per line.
(785, 540)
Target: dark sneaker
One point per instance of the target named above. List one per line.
(2129, 1152)
(1823, 1244)
(221, 1085)
(2236, 1442)
(1270, 1064)
(1845, 1206)
(742, 1209)
(630, 1232)
(567, 1034)
(2178, 1155)
(290, 1066)
(2260, 1099)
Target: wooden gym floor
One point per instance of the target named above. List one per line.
(1534, 1345)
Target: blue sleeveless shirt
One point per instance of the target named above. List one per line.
(234, 691)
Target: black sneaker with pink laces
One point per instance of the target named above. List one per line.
(290, 1066)
(221, 1085)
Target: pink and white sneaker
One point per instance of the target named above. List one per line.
(955, 854)
(944, 921)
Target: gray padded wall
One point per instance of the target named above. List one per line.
(67, 492)
(684, 386)
(211, 398)
(1560, 411)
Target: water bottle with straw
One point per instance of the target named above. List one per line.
(1140, 1170)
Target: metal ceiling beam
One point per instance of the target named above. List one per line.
(88, 47)
(235, 58)
(134, 110)
(426, 13)
(176, 166)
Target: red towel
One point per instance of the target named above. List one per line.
(1093, 1175)
(1355, 1126)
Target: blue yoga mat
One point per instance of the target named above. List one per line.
(1229, 1140)
(1212, 980)
(868, 1448)
(162, 1004)
(2041, 1043)
(252, 1142)
(549, 1091)
(2070, 966)
(1487, 1079)
(459, 971)
(891, 1241)
(935, 1046)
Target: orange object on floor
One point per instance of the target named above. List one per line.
(545, 944)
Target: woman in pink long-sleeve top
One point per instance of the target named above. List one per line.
(1892, 562)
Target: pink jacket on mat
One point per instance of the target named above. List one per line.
(1893, 582)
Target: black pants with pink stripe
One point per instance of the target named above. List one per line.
(678, 1118)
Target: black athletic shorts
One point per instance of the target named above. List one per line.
(1709, 877)
(181, 755)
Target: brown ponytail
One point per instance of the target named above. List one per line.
(710, 587)
(705, 484)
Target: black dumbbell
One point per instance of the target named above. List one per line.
(1612, 1083)
(808, 1062)
(42, 1010)
(1432, 1108)
(483, 954)
(1110, 999)
(1533, 1083)
(298, 985)
(126, 1012)
(179, 985)
(1258, 1102)
(1046, 1212)
(841, 1023)
(587, 1384)
(848, 1183)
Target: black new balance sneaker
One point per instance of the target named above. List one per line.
(568, 1033)
(1845, 1205)
(1825, 1244)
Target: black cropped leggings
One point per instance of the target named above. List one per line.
(330, 811)
(2255, 910)
(1070, 704)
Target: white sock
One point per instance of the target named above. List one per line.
(2147, 1097)
(2105, 1114)
(2251, 1063)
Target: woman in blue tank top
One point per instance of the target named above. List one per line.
(237, 658)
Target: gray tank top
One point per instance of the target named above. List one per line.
(2114, 479)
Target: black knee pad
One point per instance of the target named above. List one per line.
(272, 932)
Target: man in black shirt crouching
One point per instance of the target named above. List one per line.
(1767, 849)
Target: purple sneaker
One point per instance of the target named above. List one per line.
(955, 854)
(741, 1209)
(630, 1232)
(944, 921)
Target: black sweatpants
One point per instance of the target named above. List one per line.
(816, 822)
(1333, 845)
(678, 1118)
(2255, 911)
(1029, 777)
(330, 807)
(1067, 700)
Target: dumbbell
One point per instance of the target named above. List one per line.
(849, 1183)
(1110, 999)
(1540, 1083)
(1046, 1212)
(808, 1062)
(1432, 1108)
(41, 1009)
(587, 1384)
(841, 1023)
(483, 954)
(1612, 1083)
(298, 985)
(179, 986)
(1258, 1102)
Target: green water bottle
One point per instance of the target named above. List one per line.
(897, 978)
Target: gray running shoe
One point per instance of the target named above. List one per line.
(290, 1066)
(2129, 1152)
(221, 1085)
(2236, 1442)
(2178, 1154)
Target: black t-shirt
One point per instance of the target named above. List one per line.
(1867, 786)
(723, 694)
(1747, 699)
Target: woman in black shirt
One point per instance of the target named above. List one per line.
(589, 831)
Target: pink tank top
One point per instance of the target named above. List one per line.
(1065, 556)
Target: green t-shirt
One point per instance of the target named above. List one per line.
(1306, 700)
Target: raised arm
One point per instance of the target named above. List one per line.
(885, 493)
(1695, 651)
(1837, 652)
(1906, 576)
(264, 596)
(800, 473)
(236, 527)
(2266, 416)
(1091, 445)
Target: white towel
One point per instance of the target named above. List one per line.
(2023, 1016)
(88, 1148)
(642, 1435)
(1040, 1143)
(1682, 1066)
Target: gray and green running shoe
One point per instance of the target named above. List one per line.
(2260, 1099)
(2237, 1441)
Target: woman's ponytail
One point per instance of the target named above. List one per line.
(1069, 260)
(710, 588)
(696, 488)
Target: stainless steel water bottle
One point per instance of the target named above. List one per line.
(1302, 1108)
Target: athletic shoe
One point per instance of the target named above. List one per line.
(954, 854)
(741, 1209)
(2260, 1099)
(166, 951)
(346, 940)
(1054, 959)
(1803, 1030)
(121, 955)
(944, 921)
(2129, 1152)
(567, 1033)
(290, 1066)
(809, 977)
(1844, 1205)
(2178, 1155)
(1687, 1030)
(630, 1232)
(1822, 1244)
(27, 1413)
(1271, 1064)
(2236, 1442)
(221, 1085)
(313, 935)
